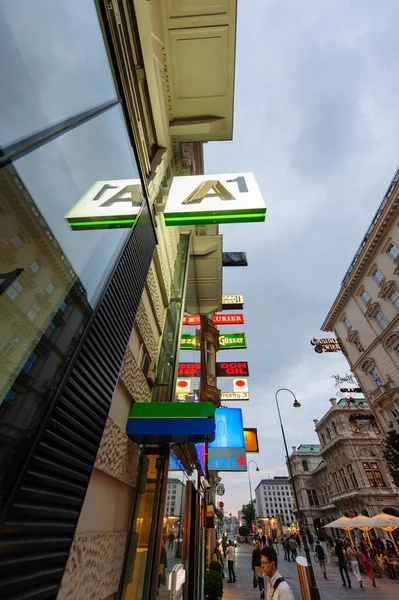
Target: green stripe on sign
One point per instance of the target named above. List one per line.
(115, 222)
(222, 218)
(172, 410)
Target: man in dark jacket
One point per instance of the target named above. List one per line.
(340, 554)
(322, 557)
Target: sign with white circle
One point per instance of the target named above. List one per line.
(220, 490)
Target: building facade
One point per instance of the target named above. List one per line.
(175, 497)
(274, 497)
(365, 313)
(97, 92)
(345, 474)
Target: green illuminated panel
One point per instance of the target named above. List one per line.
(203, 219)
(115, 223)
(172, 410)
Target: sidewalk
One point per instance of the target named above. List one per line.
(330, 589)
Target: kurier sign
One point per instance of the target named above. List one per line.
(218, 319)
(227, 341)
(107, 205)
(206, 199)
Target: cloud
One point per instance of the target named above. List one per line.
(317, 121)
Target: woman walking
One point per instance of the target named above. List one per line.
(352, 557)
(367, 565)
(257, 569)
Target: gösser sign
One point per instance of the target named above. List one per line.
(204, 199)
(107, 205)
(227, 341)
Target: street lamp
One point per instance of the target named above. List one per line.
(314, 592)
(249, 480)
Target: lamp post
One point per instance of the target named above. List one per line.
(249, 480)
(314, 592)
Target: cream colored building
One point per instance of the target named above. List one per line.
(365, 313)
(179, 85)
(346, 472)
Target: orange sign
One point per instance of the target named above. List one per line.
(251, 440)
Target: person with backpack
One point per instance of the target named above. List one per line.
(277, 587)
(322, 557)
(293, 548)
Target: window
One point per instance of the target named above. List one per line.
(305, 465)
(347, 323)
(352, 476)
(34, 267)
(373, 474)
(378, 276)
(393, 251)
(63, 306)
(381, 320)
(395, 413)
(376, 377)
(50, 330)
(394, 298)
(14, 290)
(33, 312)
(30, 363)
(365, 297)
(145, 363)
(337, 482)
(344, 479)
(312, 497)
(11, 346)
(209, 358)
(50, 287)
(16, 241)
(322, 438)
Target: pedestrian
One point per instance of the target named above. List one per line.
(341, 555)
(171, 540)
(284, 545)
(257, 569)
(230, 563)
(263, 540)
(322, 557)
(311, 541)
(298, 540)
(275, 543)
(293, 548)
(364, 557)
(163, 564)
(352, 557)
(224, 544)
(270, 542)
(277, 587)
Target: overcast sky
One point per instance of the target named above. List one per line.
(317, 120)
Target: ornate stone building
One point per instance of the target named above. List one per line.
(365, 313)
(345, 473)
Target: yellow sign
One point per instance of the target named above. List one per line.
(251, 440)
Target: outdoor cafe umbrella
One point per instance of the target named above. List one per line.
(386, 522)
(362, 522)
(342, 523)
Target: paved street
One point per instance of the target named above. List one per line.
(330, 589)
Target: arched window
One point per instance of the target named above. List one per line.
(328, 436)
(305, 465)
(334, 427)
(322, 438)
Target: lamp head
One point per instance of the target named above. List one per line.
(257, 468)
(296, 404)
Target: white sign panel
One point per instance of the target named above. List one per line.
(240, 385)
(237, 396)
(183, 386)
(107, 205)
(206, 199)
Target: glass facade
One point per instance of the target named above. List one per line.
(54, 69)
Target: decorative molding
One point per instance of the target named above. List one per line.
(353, 336)
(118, 456)
(387, 289)
(367, 365)
(155, 296)
(133, 378)
(391, 340)
(165, 85)
(372, 310)
(94, 566)
(143, 323)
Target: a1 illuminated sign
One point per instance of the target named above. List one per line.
(107, 205)
(206, 199)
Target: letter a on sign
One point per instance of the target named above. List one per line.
(203, 199)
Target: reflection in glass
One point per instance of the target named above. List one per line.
(53, 66)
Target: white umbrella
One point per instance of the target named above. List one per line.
(343, 523)
(387, 522)
(362, 522)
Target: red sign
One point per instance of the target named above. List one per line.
(231, 369)
(189, 370)
(224, 369)
(221, 504)
(218, 319)
(351, 514)
(221, 319)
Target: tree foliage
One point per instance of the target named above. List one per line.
(391, 454)
(248, 514)
(243, 531)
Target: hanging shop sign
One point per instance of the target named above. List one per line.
(232, 302)
(240, 385)
(206, 199)
(325, 345)
(188, 341)
(107, 205)
(251, 440)
(220, 490)
(232, 341)
(234, 259)
(227, 451)
(189, 370)
(218, 319)
(183, 386)
(171, 422)
(236, 396)
(354, 390)
(228, 369)
(227, 341)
